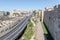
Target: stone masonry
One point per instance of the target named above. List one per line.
(52, 21)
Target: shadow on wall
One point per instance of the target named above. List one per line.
(47, 34)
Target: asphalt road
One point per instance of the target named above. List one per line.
(14, 31)
(17, 30)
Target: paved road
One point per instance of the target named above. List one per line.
(39, 32)
(12, 32)
(18, 29)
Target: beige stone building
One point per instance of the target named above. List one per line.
(52, 21)
(41, 14)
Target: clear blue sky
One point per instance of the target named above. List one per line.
(27, 4)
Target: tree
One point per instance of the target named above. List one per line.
(34, 12)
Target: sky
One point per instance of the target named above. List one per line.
(27, 4)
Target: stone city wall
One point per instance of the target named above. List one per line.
(52, 21)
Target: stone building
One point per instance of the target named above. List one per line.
(41, 15)
(4, 14)
(52, 21)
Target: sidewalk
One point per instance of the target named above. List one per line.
(39, 31)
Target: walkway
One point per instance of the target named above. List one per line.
(39, 31)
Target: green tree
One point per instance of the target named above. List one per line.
(34, 12)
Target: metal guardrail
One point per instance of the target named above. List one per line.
(16, 31)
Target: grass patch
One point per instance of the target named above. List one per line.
(29, 32)
(45, 31)
(30, 24)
